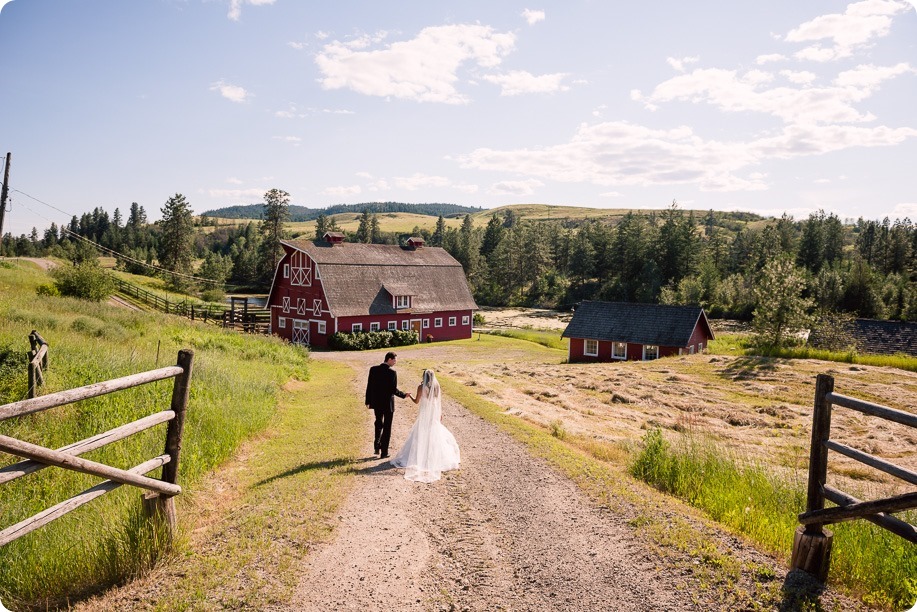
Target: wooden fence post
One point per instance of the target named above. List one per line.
(812, 543)
(162, 507)
(32, 378)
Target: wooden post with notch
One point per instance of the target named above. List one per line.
(155, 505)
(812, 543)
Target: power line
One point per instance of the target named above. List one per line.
(114, 253)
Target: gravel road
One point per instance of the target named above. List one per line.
(504, 532)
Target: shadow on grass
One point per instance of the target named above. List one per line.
(750, 367)
(801, 591)
(305, 467)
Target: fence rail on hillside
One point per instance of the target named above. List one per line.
(812, 543)
(237, 316)
(160, 504)
(38, 362)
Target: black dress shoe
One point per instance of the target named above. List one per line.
(383, 456)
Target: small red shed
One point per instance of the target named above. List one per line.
(618, 331)
(327, 286)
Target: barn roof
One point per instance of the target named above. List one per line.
(359, 279)
(638, 323)
(886, 337)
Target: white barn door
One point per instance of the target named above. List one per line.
(300, 332)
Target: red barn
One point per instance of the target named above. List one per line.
(329, 286)
(611, 331)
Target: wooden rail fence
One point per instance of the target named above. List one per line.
(160, 504)
(812, 542)
(38, 362)
(237, 316)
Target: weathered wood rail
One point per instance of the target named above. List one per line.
(38, 362)
(812, 542)
(241, 317)
(160, 505)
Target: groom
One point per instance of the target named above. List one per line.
(381, 388)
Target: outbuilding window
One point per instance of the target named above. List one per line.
(438, 322)
(357, 327)
(619, 350)
(374, 326)
(321, 327)
(650, 351)
(403, 301)
(592, 348)
(451, 321)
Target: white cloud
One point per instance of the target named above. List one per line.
(233, 181)
(771, 57)
(380, 185)
(623, 154)
(424, 69)
(729, 91)
(231, 92)
(799, 77)
(515, 188)
(679, 64)
(465, 188)
(292, 139)
(342, 191)
(905, 209)
(519, 82)
(235, 7)
(848, 31)
(532, 17)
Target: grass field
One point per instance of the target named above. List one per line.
(235, 388)
(731, 438)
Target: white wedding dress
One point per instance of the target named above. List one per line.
(430, 448)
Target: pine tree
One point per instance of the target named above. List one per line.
(439, 233)
(781, 308)
(364, 232)
(321, 226)
(375, 232)
(276, 214)
(177, 239)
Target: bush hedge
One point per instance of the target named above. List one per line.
(361, 341)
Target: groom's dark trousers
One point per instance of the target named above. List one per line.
(381, 389)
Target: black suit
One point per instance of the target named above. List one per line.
(381, 389)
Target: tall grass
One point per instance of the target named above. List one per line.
(764, 505)
(738, 344)
(550, 339)
(234, 393)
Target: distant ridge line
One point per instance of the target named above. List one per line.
(303, 213)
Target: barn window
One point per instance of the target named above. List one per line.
(317, 275)
(286, 304)
(392, 325)
(426, 323)
(316, 308)
(466, 320)
(282, 323)
(451, 321)
(321, 327)
(405, 325)
(356, 327)
(650, 351)
(374, 326)
(286, 270)
(438, 322)
(619, 350)
(592, 348)
(691, 350)
(403, 301)
(301, 305)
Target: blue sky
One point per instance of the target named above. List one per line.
(769, 107)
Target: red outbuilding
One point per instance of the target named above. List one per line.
(327, 286)
(613, 331)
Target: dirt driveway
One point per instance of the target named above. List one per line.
(505, 532)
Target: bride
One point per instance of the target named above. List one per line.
(430, 448)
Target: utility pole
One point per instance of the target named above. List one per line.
(4, 192)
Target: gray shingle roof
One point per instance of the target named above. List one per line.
(637, 323)
(886, 337)
(356, 277)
